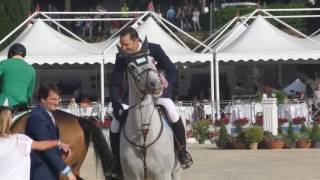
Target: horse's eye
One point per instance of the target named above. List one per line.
(131, 67)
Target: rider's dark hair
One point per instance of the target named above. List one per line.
(131, 31)
(43, 91)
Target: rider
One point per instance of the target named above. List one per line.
(18, 78)
(130, 42)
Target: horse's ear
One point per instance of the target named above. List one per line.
(145, 45)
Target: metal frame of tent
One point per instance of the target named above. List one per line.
(215, 65)
(166, 24)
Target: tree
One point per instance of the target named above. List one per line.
(12, 13)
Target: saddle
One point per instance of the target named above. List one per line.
(160, 109)
(19, 108)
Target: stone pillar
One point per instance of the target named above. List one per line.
(270, 115)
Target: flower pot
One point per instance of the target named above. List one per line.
(274, 144)
(290, 145)
(305, 143)
(253, 146)
(238, 145)
(221, 145)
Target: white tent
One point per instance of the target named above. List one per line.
(46, 45)
(295, 86)
(263, 41)
(156, 34)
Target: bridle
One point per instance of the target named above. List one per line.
(145, 126)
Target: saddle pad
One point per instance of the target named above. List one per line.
(20, 114)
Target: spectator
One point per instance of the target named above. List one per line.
(73, 106)
(85, 102)
(180, 17)
(171, 15)
(124, 8)
(158, 11)
(150, 6)
(15, 150)
(316, 96)
(196, 19)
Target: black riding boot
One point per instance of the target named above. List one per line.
(183, 156)
(115, 147)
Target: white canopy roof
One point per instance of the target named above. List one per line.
(295, 86)
(46, 45)
(263, 41)
(173, 49)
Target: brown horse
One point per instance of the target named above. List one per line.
(78, 132)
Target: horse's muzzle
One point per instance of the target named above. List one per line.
(157, 91)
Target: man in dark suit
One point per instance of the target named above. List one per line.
(46, 165)
(131, 43)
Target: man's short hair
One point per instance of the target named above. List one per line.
(43, 91)
(131, 31)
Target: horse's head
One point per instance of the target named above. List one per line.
(142, 71)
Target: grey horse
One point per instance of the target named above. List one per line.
(146, 140)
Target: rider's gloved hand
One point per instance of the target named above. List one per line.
(118, 110)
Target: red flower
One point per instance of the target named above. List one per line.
(242, 121)
(282, 121)
(225, 120)
(298, 120)
(316, 119)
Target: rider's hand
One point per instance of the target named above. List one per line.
(71, 176)
(66, 149)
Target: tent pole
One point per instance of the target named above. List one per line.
(216, 66)
(115, 42)
(168, 29)
(232, 33)
(290, 27)
(102, 90)
(17, 28)
(183, 32)
(92, 13)
(71, 33)
(211, 36)
(212, 86)
(314, 33)
(220, 34)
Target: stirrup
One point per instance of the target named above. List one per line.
(187, 160)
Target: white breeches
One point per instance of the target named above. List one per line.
(167, 103)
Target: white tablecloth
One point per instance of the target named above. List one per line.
(249, 111)
(291, 111)
(246, 110)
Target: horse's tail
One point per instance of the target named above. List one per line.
(101, 148)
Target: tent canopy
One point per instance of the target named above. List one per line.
(262, 41)
(294, 87)
(46, 45)
(156, 34)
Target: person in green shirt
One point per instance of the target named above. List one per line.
(17, 78)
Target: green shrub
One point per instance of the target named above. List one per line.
(315, 133)
(200, 130)
(224, 137)
(254, 134)
(291, 136)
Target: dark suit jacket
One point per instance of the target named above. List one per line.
(45, 164)
(163, 64)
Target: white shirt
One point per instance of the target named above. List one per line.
(52, 118)
(15, 157)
